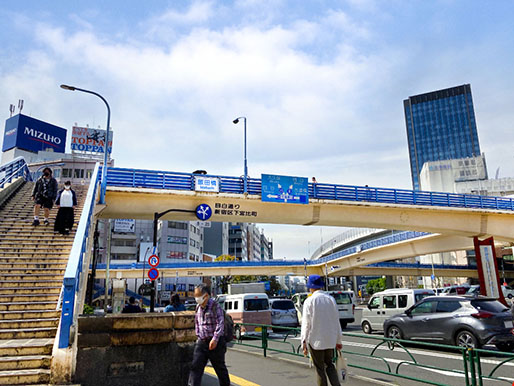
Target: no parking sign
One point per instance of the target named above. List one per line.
(153, 274)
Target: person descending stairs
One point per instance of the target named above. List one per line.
(32, 264)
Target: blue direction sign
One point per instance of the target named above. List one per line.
(291, 190)
(153, 273)
(203, 212)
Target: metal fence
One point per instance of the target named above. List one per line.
(473, 362)
(14, 169)
(73, 276)
(138, 178)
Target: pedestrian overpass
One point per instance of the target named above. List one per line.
(439, 222)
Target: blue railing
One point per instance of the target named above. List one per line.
(138, 178)
(72, 275)
(14, 169)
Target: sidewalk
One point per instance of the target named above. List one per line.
(252, 369)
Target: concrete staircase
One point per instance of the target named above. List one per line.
(32, 264)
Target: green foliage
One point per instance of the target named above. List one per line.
(376, 285)
(88, 310)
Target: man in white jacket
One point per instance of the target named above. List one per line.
(321, 331)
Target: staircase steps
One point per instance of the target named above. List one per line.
(32, 264)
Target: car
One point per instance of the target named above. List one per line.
(461, 289)
(466, 321)
(283, 313)
(385, 304)
(508, 292)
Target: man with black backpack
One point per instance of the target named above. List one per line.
(211, 344)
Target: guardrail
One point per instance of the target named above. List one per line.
(139, 178)
(14, 169)
(474, 361)
(73, 274)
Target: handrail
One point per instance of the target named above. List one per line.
(16, 168)
(153, 179)
(72, 275)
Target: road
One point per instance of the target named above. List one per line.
(446, 366)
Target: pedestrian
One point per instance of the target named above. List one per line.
(211, 345)
(44, 194)
(132, 307)
(66, 202)
(175, 305)
(321, 332)
(314, 180)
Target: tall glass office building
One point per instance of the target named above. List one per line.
(440, 126)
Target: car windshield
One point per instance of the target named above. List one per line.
(256, 304)
(341, 297)
(418, 297)
(489, 305)
(282, 305)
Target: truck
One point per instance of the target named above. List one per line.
(246, 288)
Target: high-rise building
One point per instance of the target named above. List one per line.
(440, 126)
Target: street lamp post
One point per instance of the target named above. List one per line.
(103, 184)
(236, 121)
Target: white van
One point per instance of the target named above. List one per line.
(385, 304)
(344, 301)
(247, 308)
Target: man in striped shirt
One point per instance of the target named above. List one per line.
(211, 345)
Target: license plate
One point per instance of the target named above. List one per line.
(508, 324)
(258, 329)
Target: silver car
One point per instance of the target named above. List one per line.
(283, 313)
(465, 321)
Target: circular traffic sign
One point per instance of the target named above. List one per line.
(153, 261)
(203, 212)
(153, 273)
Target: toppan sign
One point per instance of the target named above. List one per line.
(31, 134)
(85, 139)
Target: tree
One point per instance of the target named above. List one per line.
(224, 280)
(376, 285)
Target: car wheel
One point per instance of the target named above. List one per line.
(510, 296)
(394, 332)
(366, 327)
(507, 346)
(343, 325)
(466, 339)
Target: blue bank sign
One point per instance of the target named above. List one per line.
(33, 135)
(291, 190)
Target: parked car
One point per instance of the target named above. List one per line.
(465, 321)
(385, 304)
(508, 292)
(455, 290)
(247, 308)
(283, 313)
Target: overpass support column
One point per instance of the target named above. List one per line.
(487, 266)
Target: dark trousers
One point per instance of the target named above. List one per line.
(217, 357)
(322, 360)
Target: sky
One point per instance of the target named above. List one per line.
(321, 83)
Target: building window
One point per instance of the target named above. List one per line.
(66, 173)
(177, 225)
(78, 173)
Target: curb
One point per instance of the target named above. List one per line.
(298, 363)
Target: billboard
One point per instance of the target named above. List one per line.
(33, 135)
(124, 225)
(87, 140)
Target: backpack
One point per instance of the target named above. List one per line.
(228, 331)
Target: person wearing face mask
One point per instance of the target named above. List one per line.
(66, 202)
(211, 345)
(44, 194)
